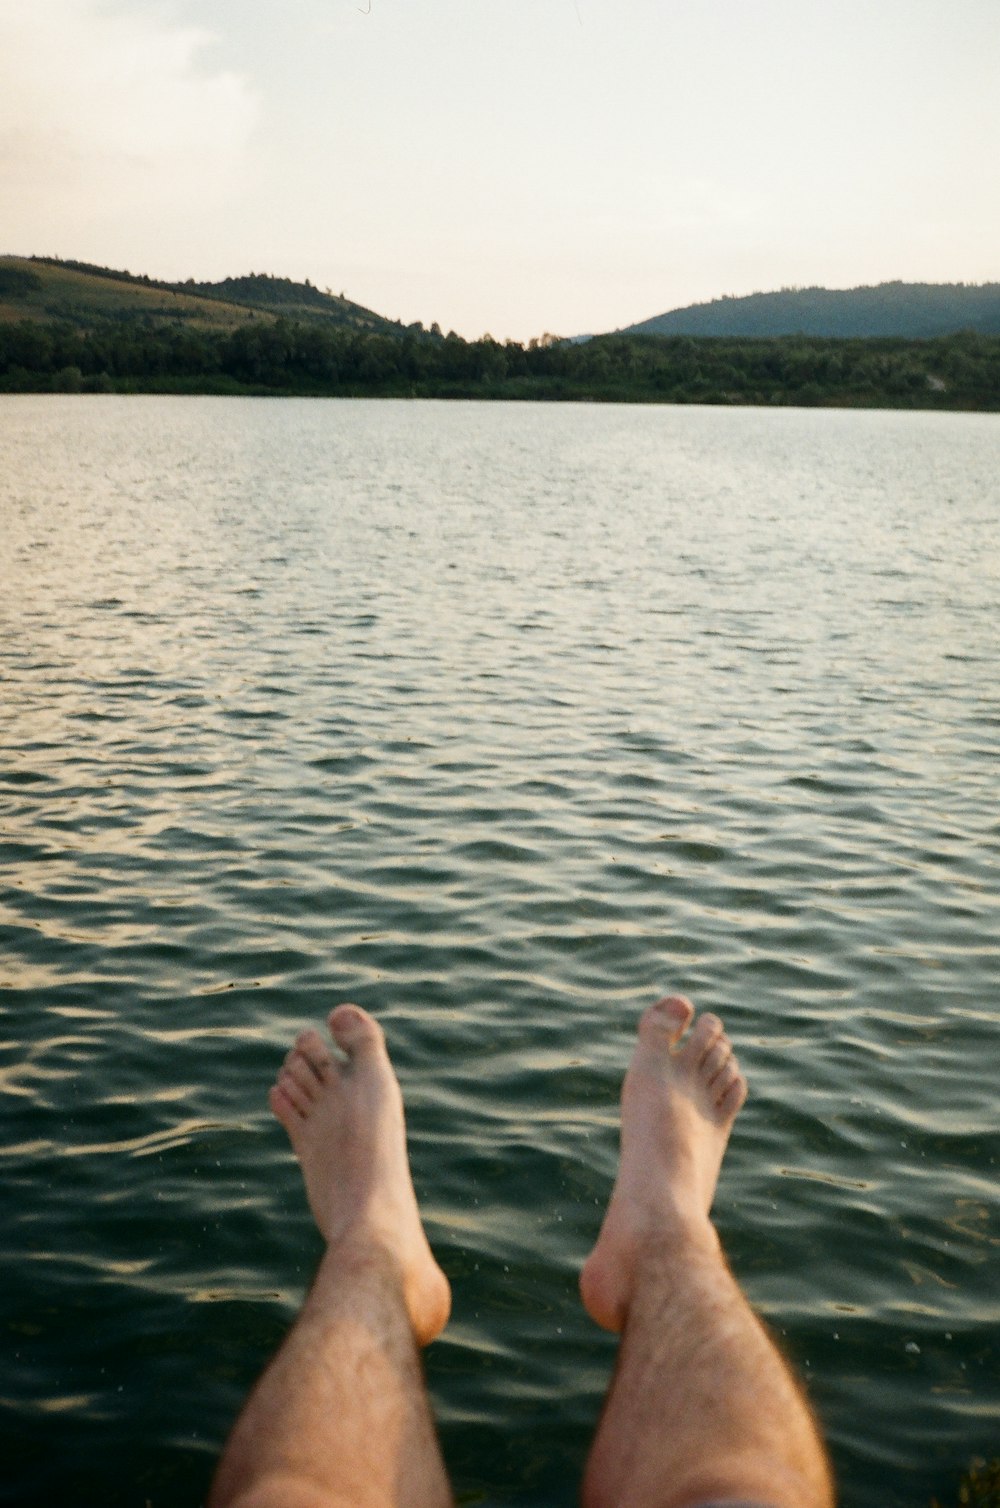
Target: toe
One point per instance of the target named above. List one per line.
(716, 1058)
(733, 1096)
(665, 1022)
(299, 1069)
(725, 1078)
(701, 1040)
(355, 1031)
(288, 1102)
(281, 1107)
(313, 1049)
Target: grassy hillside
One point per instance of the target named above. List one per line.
(46, 291)
(911, 311)
(87, 296)
(296, 301)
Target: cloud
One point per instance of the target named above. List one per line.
(110, 118)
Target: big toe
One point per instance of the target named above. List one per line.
(355, 1031)
(663, 1024)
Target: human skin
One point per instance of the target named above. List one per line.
(701, 1408)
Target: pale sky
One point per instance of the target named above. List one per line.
(510, 166)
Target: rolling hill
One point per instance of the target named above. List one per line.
(71, 327)
(913, 311)
(85, 296)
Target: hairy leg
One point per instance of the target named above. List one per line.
(702, 1406)
(340, 1418)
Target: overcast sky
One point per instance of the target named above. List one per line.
(511, 166)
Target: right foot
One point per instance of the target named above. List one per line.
(678, 1107)
(345, 1123)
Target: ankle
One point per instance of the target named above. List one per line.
(362, 1255)
(688, 1236)
(378, 1275)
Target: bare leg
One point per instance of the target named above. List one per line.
(702, 1406)
(340, 1418)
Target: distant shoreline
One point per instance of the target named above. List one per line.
(554, 397)
(73, 327)
(282, 359)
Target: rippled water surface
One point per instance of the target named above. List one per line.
(498, 720)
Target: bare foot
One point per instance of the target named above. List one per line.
(678, 1107)
(345, 1122)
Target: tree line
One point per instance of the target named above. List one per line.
(288, 357)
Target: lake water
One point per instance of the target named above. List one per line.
(499, 720)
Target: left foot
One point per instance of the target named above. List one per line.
(345, 1122)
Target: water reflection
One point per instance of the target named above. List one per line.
(498, 720)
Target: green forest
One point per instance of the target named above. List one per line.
(79, 328)
(915, 311)
(281, 356)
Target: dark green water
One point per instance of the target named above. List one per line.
(500, 721)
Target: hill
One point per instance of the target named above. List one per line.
(912, 311)
(71, 327)
(290, 300)
(87, 296)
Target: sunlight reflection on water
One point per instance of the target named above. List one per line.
(499, 720)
